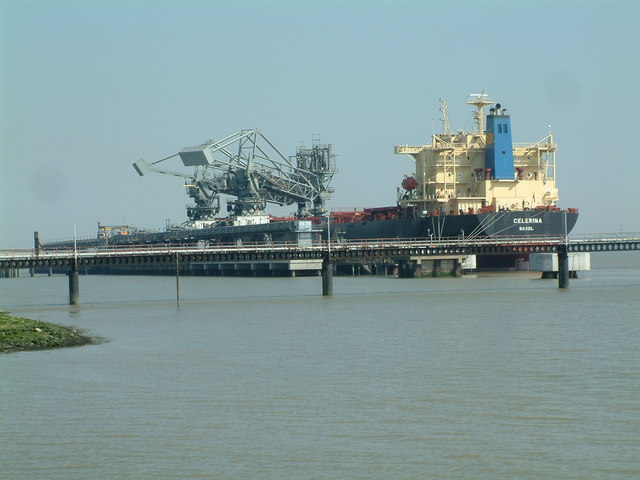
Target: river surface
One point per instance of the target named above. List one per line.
(480, 377)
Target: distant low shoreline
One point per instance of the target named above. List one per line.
(20, 334)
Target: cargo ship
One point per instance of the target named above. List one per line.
(469, 185)
(465, 185)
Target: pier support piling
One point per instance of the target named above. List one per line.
(327, 278)
(457, 268)
(407, 268)
(74, 286)
(177, 280)
(437, 268)
(563, 270)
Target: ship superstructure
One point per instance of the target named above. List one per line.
(470, 172)
(470, 184)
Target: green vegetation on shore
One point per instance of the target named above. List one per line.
(18, 334)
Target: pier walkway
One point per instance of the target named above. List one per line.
(404, 251)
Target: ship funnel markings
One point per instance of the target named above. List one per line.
(499, 149)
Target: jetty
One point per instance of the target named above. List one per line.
(410, 255)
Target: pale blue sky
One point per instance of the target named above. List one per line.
(88, 87)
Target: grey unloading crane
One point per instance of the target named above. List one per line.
(247, 166)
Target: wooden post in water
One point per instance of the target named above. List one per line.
(327, 277)
(74, 285)
(563, 259)
(177, 280)
(36, 250)
(327, 265)
(563, 269)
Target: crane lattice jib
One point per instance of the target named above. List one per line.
(246, 165)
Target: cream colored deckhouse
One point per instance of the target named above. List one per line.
(471, 172)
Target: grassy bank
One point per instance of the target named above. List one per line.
(18, 334)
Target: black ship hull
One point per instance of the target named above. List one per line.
(506, 223)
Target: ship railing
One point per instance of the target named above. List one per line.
(543, 142)
(398, 149)
(347, 209)
(423, 242)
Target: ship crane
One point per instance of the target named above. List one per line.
(246, 166)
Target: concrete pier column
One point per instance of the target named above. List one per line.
(437, 268)
(457, 269)
(563, 270)
(327, 278)
(74, 286)
(417, 269)
(402, 269)
(407, 269)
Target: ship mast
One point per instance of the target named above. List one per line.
(446, 128)
(479, 100)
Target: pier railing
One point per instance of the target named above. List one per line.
(407, 252)
(574, 242)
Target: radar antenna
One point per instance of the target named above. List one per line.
(479, 100)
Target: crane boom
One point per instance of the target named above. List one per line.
(247, 166)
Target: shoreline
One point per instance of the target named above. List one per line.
(19, 334)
